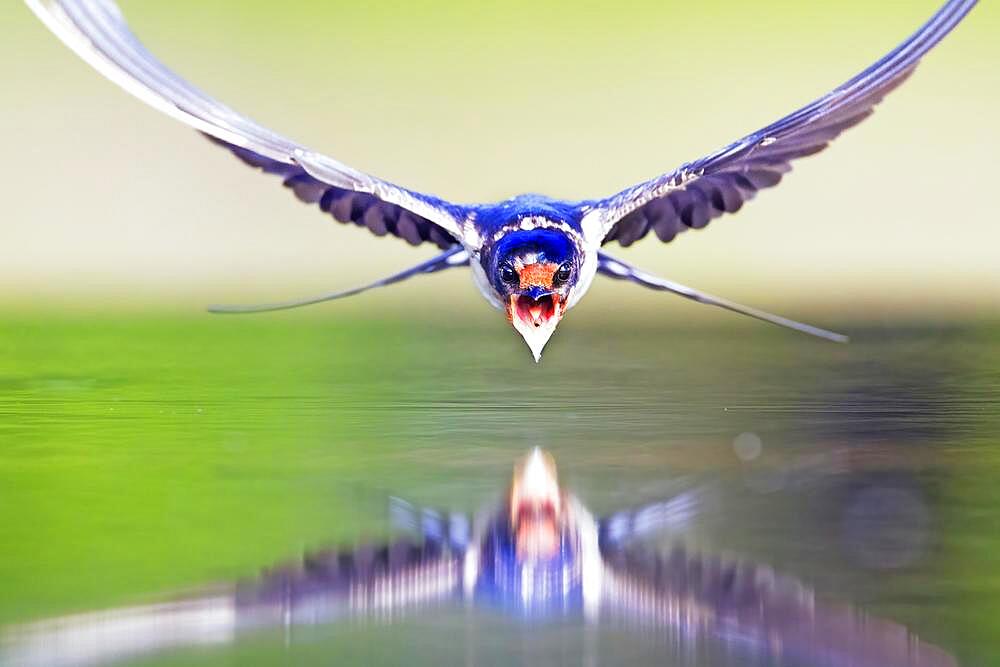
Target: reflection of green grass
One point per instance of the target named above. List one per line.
(972, 540)
(149, 453)
(132, 446)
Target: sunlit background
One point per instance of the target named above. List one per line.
(108, 202)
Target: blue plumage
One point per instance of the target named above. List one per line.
(544, 245)
(491, 218)
(531, 256)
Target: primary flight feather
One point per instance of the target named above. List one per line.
(531, 256)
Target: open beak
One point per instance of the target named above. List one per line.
(536, 506)
(535, 319)
(536, 310)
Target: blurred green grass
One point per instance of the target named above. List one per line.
(144, 455)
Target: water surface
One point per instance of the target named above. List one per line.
(145, 456)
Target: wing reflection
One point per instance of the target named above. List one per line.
(538, 554)
(753, 610)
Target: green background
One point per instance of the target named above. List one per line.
(111, 202)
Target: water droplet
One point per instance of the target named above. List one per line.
(747, 446)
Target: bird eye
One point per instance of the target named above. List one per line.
(563, 273)
(507, 274)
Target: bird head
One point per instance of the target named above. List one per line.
(533, 271)
(536, 507)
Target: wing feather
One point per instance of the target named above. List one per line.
(720, 183)
(769, 617)
(96, 30)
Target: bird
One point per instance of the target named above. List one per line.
(537, 555)
(532, 257)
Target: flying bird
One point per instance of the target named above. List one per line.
(537, 555)
(532, 257)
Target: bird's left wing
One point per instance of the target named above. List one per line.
(720, 183)
(696, 599)
(98, 33)
(624, 527)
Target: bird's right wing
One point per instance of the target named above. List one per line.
(96, 30)
(451, 530)
(383, 580)
(379, 581)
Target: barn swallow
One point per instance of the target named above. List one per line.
(532, 257)
(537, 554)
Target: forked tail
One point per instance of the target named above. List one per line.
(455, 256)
(619, 270)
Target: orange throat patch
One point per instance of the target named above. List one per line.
(539, 274)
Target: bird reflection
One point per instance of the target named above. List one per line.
(538, 554)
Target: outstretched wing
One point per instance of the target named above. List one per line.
(434, 526)
(371, 579)
(379, 581)
(623, 528)
(751, 610)
(705, 189)
(98, 33)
